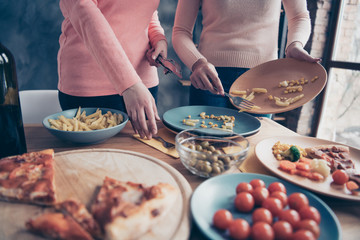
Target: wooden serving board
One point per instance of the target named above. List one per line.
(80, 173)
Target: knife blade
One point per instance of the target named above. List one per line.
(170, 66)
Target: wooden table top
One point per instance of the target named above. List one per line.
(348, 212)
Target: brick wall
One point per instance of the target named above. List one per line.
(320, 27)
(319, 14)
(345, 51)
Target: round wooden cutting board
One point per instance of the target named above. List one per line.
(80, 173)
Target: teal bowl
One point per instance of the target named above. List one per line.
(85, 137)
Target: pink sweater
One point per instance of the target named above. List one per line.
(237, 33)
(103, 45)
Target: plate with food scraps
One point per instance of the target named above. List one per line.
(280, 85)
(316, 149)
(219, 193)
(210, 120)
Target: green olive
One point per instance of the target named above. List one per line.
(218, 152)
(226, 159)
(216, 169)
(208, 152)
(212, 158)
(205, 144)
(212, 149)
(198, 147)
(201, 156)
(193, 155)
(206, 163)
(192, 162)
(200, 162)
(207, 169)
(199, 165)
(192, 147)
(220, 163)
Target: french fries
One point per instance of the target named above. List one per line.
(81, 122)
(238, 92)
(259, 90)
(288, 101)
(290, 87)
(228, 122)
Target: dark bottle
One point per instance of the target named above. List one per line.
(12, 137)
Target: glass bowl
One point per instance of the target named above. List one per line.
(207, 156)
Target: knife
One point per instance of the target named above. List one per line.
(170, 66)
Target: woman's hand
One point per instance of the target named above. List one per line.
(296, 50)
(153, 53)
(140, 105)
(205, 77)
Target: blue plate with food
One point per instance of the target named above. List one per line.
(217, 121)
(219, 193)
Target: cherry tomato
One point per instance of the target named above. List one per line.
(262, 215)
(244, 187)
(262, 230)
(244, 202)
(291, 216)
(298, 200)
(282, 229)
(260, 194)
(239, 229)
(311, 225)
(340, 177)
(282, 196)
(222, 219)
(276, 186)
(257, 183)
(310, 212)
(303, 235)
(274, 205)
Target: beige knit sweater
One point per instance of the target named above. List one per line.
(237, 33)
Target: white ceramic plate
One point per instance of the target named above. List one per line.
(263, 151)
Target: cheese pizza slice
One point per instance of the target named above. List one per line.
(127, 210)
(81, 215)
(28, 178)
(56, 225)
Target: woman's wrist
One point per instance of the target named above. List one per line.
(295, 44)
(198, 63)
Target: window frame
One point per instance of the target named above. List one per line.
(337, 8)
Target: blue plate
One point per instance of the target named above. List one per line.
(245, 124)
(219, 192)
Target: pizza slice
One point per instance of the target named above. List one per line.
(81, 215)
(56, 225)
(127, 210)
(28, 178)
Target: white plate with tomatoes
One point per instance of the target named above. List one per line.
(220, 192)
(325, 187)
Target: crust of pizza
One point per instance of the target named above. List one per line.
(28, 178)
(56, 225)
(81, 215)
(127, 210)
